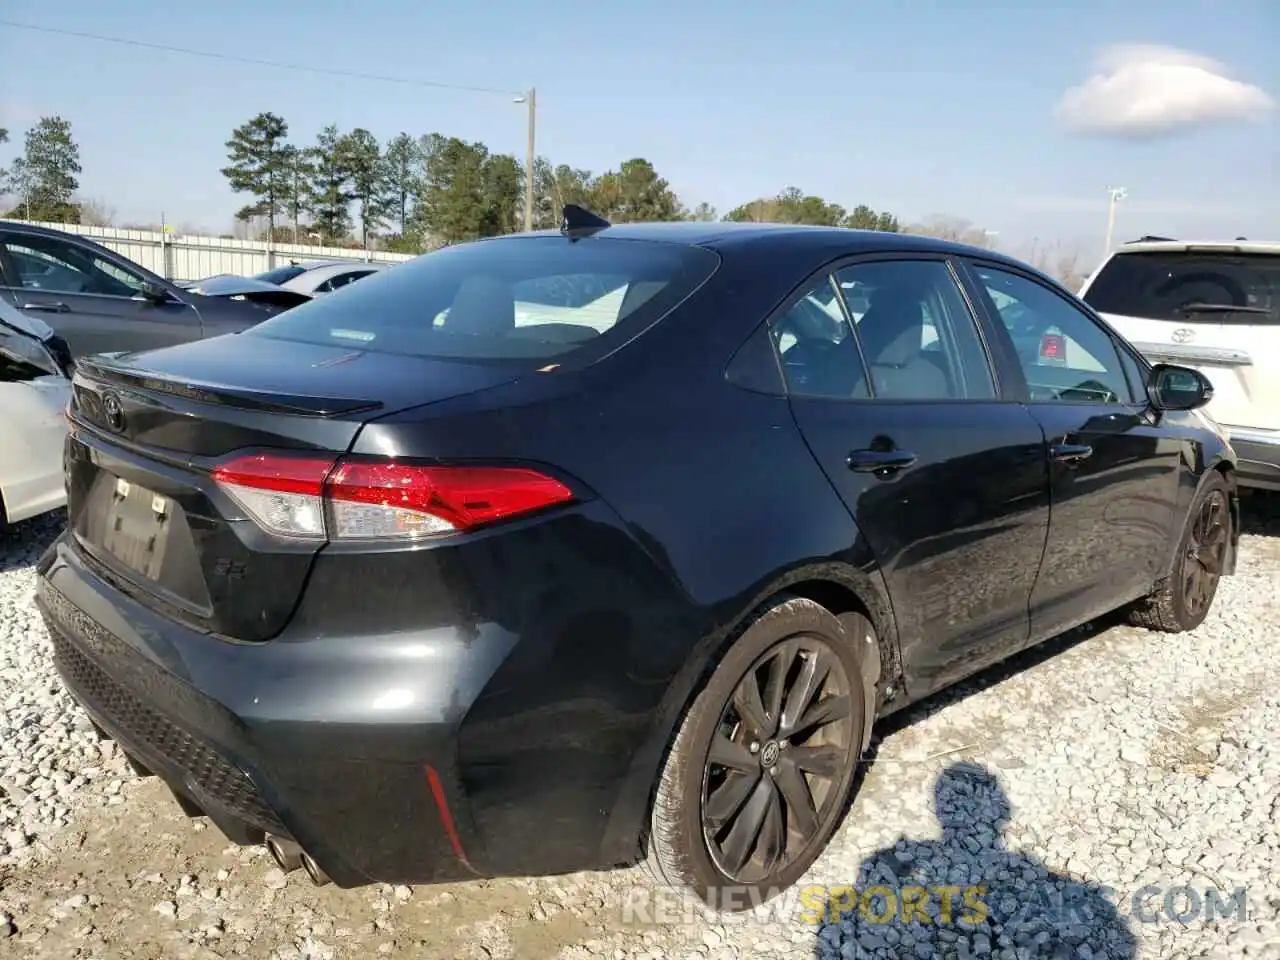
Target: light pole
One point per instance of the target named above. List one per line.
(531, 100)
(1114, 196)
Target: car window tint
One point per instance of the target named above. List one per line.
(1177, 286)
(55, 265)
(816, 345)
(1065, 356)
(342, 279)
(39, 271)
(130, 280)
(333, 283)
(511, 298)
(916, 332)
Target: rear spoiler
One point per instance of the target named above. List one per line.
(111, 369)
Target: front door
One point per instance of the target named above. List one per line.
(93, 302)
(945, 477)
(1113, 470)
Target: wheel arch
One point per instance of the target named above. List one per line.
(1227, 468)
(838, 587)
(1221, 465)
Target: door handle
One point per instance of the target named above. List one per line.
(58, 307)
(883, 462)
(1070, 452)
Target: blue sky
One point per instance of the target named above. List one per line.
(917, 106)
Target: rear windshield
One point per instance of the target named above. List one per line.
(1178, 286)
(280, 274)
(516, 298)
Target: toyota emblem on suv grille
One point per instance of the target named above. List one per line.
(1183, 335)
(113, 411)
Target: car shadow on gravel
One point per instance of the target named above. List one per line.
(22, 544)
(967, 894)
(1260, 513)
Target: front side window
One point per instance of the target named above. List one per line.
(342, 279)
(917, 334)
(517, 298)
(119, 274)
(1065, 356)
(58, 266)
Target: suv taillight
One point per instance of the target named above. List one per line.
(319, 498)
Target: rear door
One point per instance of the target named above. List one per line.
(944, 473)
(1114, 469)
(1214, 308)
(94, 301)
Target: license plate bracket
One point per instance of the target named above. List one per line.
(137, 527)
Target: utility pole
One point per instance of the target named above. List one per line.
(1114, 196)
(530, 100)
(295, 204)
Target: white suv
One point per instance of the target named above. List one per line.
(1215, 307)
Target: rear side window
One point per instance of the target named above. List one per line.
(1195, 285)
(519, 298)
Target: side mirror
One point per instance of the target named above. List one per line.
(156, 293)
(1172, 387)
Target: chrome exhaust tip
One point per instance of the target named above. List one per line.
(318, 876)
(287, 854)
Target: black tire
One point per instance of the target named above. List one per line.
(789, 630)
(1183, 602)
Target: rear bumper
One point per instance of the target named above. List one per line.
(462, 745)
(255, 765)
(1258, 457)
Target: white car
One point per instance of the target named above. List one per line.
(316, 277)
(1216, 307)
(34, 389)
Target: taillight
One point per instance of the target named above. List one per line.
(284, 494)
(1053, 347)
(319, 498)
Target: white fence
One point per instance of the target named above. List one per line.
(178, 257)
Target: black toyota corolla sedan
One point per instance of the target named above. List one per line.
(571, 549)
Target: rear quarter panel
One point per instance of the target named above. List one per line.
(714, 487)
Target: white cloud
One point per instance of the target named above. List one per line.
(1142, 90)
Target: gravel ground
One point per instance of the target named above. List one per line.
(1109, 793)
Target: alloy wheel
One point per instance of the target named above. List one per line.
(779, 754)
(1206, 550)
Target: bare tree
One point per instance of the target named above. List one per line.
(1058, 261)
(1068, 270)
(945, 226)
(95, 212)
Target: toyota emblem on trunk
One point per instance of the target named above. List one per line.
(1183, 335)
(113, 411)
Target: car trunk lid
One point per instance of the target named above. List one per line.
(148, 430)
